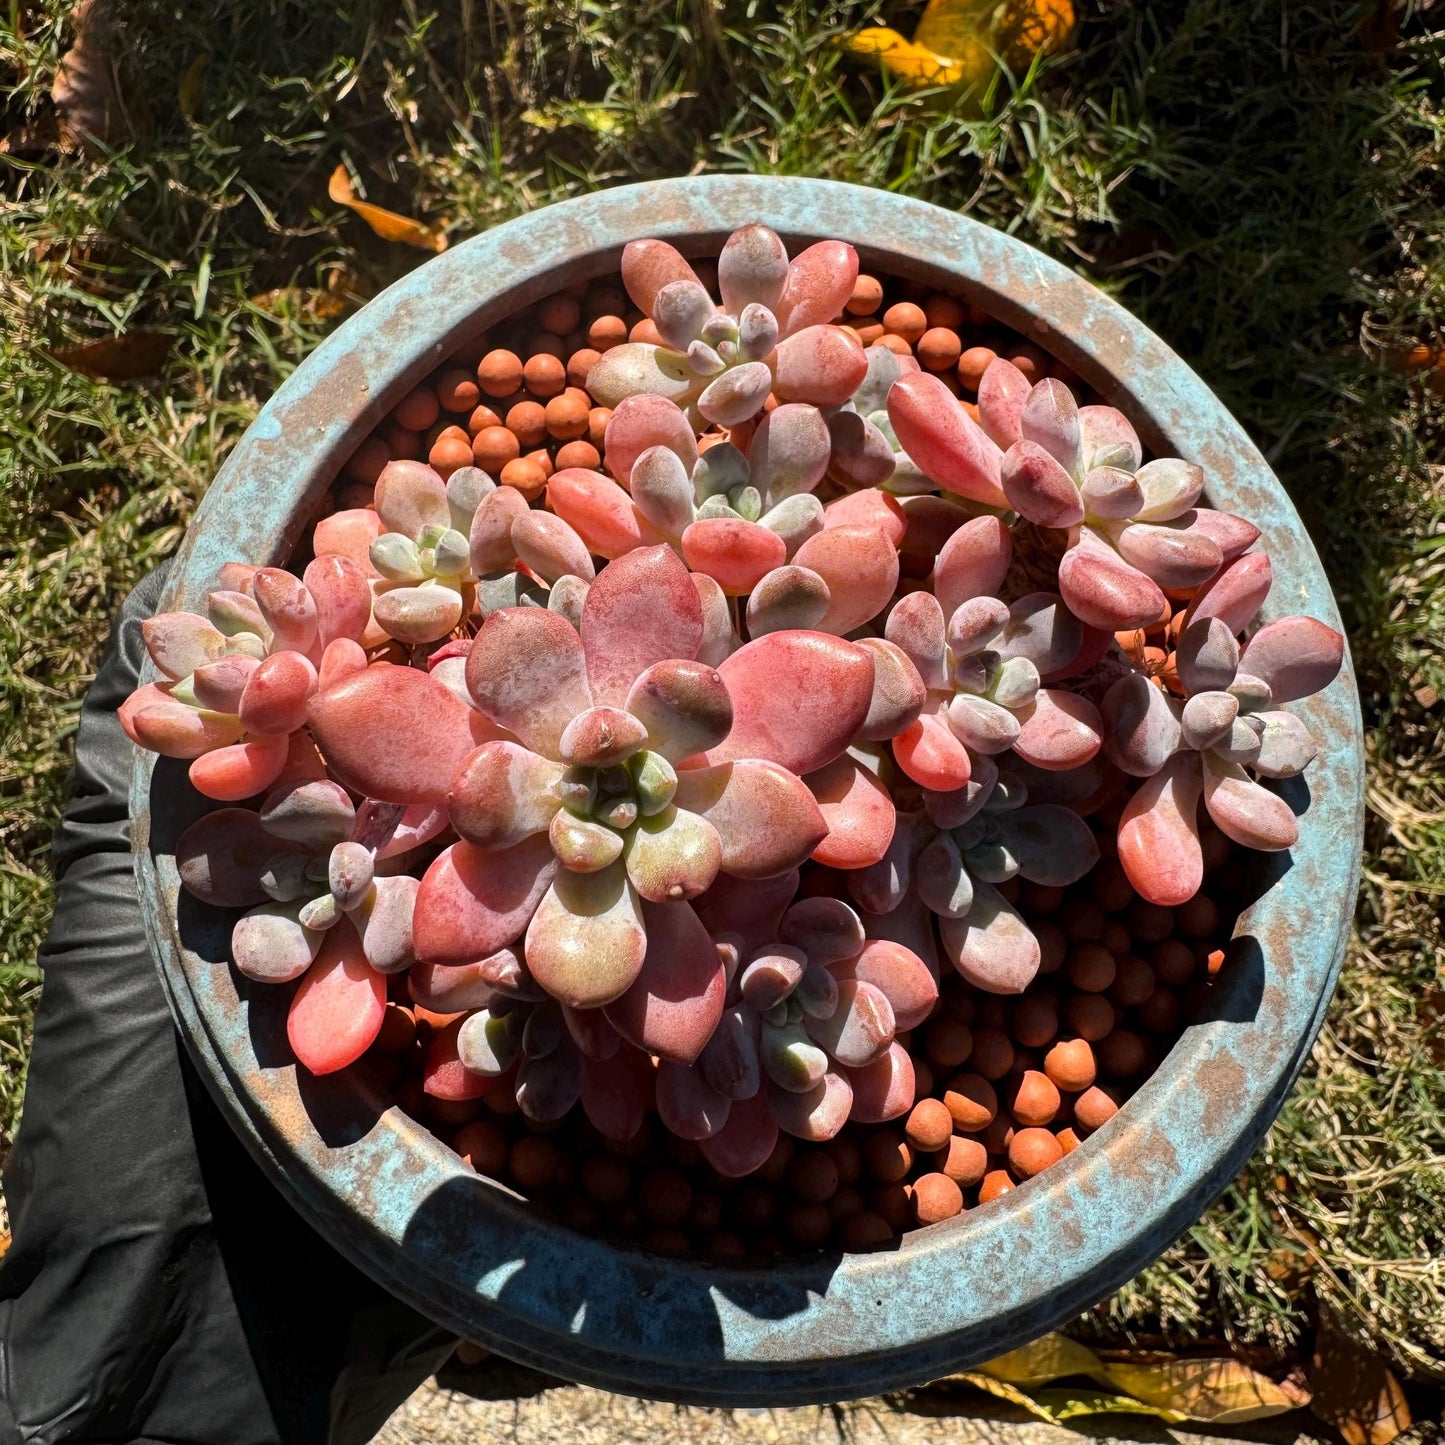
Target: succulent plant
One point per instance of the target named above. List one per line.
(772, 333)
(1230, 724)
(236, 681)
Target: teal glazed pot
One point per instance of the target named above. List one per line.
(465, 1250)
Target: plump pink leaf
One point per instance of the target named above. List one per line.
(275, 696)
(972, 563)
(551, 547)
(492, 549)
(232, 774)
(222, 855)
(1286, 747)
(1040, 628)
(288, 609)
(598, 510)
(860, 566)
(752, 268)
(1060, 730)
(859, 454)
(689, 1107)
(789, 451)
(750, 908)
(648, 266)
(1159, 833)
(393, 733)
(410, 496)
(1050, 419)
(1176, 554)
(342, 596)
(672, 855)
(180, 642)
(455, 987)
(911, 925)
(675, 1002)
(1171, 487)
(349, 533)
(269, 944)
(884, 1089)
(991, 946)
(418, 615)
(338, 1009)
(818, 283)
(444, 1075)
(1244, 811)
(869, 508)
(917, 625)
(586, 941)
(1235, 593)
(1038, 488)
(817, 1115)
(932, 756)
(736, 396)
(663, 491)
(528, 673)
(821, 365)
(1207, 655)
(1141, 727)
(941, 880)
(386, 920)
(218, 686)
(746, 1141)
(799, 699)
(601, 737)
(1103, 590)
(765, 816)
(898, 692)
(680, 310)
(858, 811)
(642, 609)
(736, 554)
(900, 975)
(718, 637)
(474, 902)
(982, 726)
(503, 793)
(975, 625)
(1106, 439)
(1233, 535)
(1002, 391)
(946, 444)
(787, 598)
(1111, 494)
(641, 422)
(859, 1029)
(685, 707)
(617, 1093)
(1296, 656)
(153, 719)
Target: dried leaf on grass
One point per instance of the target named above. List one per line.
(85, 93)
(1217, 1391)
(1354, 1389)
(192, 89)
(117, 358)
(387, 224)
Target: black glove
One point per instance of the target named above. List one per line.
(158, 1288)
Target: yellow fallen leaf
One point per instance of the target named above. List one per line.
(1217, 1391)
(1017, 30)
(192, 89)
(914, 66)
(1051, 1357)
(1354, 1390)
(117, 358)
(1057, 1406)
(387, 224)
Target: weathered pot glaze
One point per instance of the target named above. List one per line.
(465, 1250)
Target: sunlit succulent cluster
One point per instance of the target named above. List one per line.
(680, 785)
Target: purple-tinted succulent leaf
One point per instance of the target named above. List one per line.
(1246, 812)
(617, 1093)
(817, 1115)
(973, 562)
(1106, 439)
(688, 1105)
(899, 974)
(982, 726)
(288, 608)
(1207, 718)
(490, 537)
(418, 615)
(1159, 833)
(1039, 488)
(788, 598)
(1235, 593)
(734, 397)
(1102, 590)
(1002, 392)
(548, 1087)
(1110, 494)
(825, 929)
(489, 1044)
(991, 947)
(1295, 656)
(884, 1089)
(685, 707)
(882, 887)
(503, 793)
(550, 548)
(640, 367)
(474, 902)
(898, 692)
(729, 1061)
(1049, 419)
(859, 1029)
(1141, 726)
(946, 444)
(718, 637)
(680, 310)
(180, 642)
(1232, 535)
(745, 1143)
(767, 820)
(1207, 655)
(595, 1038)
(941, 880)
(1177, 555)
(1051, 845)
(751, 268)
(316, 814)
(819, 281)
(917, 626)
(640, 423)
(270, 945)
(771, 975)
(789, 451)
(859, 455)
(975, 624)
(1241, 744)
(219, 686)
(1286, 746)
(409, 496)
(953, 810)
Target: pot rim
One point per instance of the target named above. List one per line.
(464, 1250)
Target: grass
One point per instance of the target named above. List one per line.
(1259, 181)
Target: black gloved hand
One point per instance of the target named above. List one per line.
(158, 1287)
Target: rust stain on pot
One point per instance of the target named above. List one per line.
(466, 1252)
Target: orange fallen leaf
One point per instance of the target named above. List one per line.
(84, 92)
(117, 358)
(1354, 1389)
(387, 224)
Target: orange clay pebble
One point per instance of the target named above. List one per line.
(973, 363)
(775, 1166)
(457, 390)
(1082, 920)
(807, 1225)
(1035, 1099)
(942, 310)
(947, 1041)
(905, 320)
(865, 1231)
(606, 1180)
(965, 1161)
(1068, 1140)
(895, 344)
(867, 293)
(365, 463)
(605, 332)
(726, 1245)
(645, 331)
(481, 418)
(936, 1198)
(846, 1203)
(544, 343)
(1197, 917)
(868, 330)
(483, 1146)
(938, 349)
(542, 457)
(533, 1162)
(1035, 1021)
(1094, 1108)
(1090, 967)
(580, 364)
(1031, 361)
(1160, 1012)
(971, 1102)
(451, 449)
(846, 1154)
(1053, 946)
(559, 313)
(526, 475)
(1031, 1151)
(922, 1078)
(597, 420)
(995, 1182)
(1215, 847)
(1089, 1015)
(993, 1052)
(664, 1197)
(1109, 886)
(929, 1125)
(1173, 962)
(812, 1176)
(1000, 1130)
(578, 454)
(705, 1216)
(527, 421)
(417, 410)
(500, 373)
(566, 415)
(493, 447)
(1041, 898)
(544, 375)
(1122, 1053)
(887, 1157)
(1133, 983)
(402, 443)
(894, 1202)
(1070, 1064)
(1116, 938)
(1150, 922)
